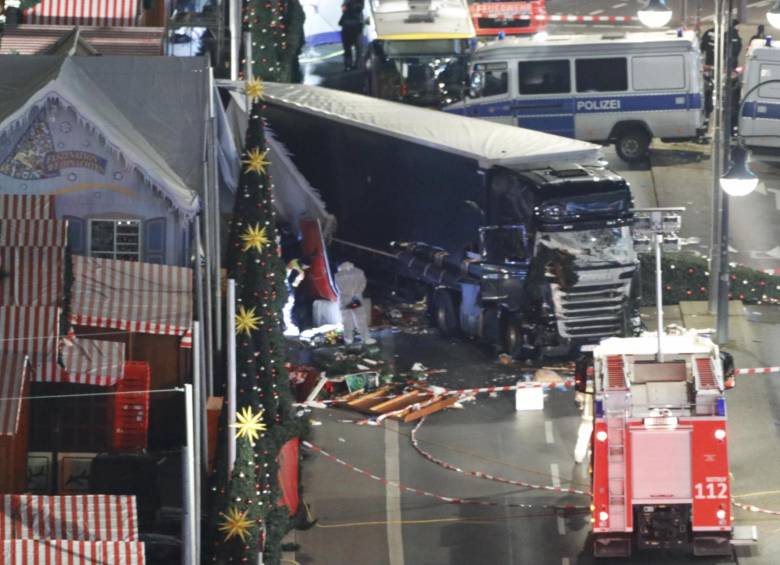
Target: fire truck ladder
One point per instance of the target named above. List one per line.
(615, 406)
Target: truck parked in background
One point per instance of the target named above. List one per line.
(660, 466)
(624, 89)
(418, 50)
(494, 17)
(516, 237)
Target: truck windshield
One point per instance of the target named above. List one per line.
(594, 247)
(573, 207)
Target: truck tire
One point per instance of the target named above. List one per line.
(445, 316)
(520, 340)
(633, 144)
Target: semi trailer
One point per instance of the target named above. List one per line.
(516, 237)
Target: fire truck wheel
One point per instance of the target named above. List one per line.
(632, 144)
(445, 316)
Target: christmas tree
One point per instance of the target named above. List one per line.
(264, 402)
(276, 28)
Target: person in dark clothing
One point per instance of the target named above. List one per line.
(736, 44)
(760, 34)
(707, 45)
(351, 23)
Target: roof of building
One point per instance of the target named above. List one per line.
(151, 110)
(32, 39)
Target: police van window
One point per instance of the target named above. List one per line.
(495, 77)
(602, 75)
(769, 72)
(658, 73)
(544, 77)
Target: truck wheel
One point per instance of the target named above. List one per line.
(444, 314)
(632, 144)
(520, 340)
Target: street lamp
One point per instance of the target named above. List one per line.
(773, 15)
(656, 14)
(739, 180)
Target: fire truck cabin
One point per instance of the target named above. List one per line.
(659, 454)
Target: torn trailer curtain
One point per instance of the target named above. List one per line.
(56, 552)
(92, 361)
(14, 372)
(131, 296)
(33, 330)
(26, 207)
(88, 517)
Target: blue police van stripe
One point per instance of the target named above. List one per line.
(761, 110)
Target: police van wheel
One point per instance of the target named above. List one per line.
(445, 316)
(632, 145)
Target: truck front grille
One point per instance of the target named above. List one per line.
(594, 308)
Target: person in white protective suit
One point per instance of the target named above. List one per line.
(351, 282)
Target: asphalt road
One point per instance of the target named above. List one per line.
(364, 521)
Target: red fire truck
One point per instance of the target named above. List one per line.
(659, 462)
(492, 17)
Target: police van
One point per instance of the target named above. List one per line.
(759, 122)
(624, 89)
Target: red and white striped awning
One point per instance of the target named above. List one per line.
(88, 517)
(93, 362)
(32, 276)
(26, 207)
(13, 374)
(58, 552)
(33, 233)
(127, 295)
(33, 330)
(84, 12)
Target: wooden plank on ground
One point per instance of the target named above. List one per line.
(400, 401)
(436, 404)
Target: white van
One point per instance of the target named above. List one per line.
(624, 89)
(759, 124)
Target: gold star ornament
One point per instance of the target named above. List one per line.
(235, 524)
(246, 320)
(255, 237)
(249, 425)
(254, 89)
(256, 161)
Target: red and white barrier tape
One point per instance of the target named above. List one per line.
(486, 476)
(564, 18)
(757, 371)
(447, 499)
(751, 508)
(568, 383)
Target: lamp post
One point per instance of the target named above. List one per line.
(773, 15)
(655, 14)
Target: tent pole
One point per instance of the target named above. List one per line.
(190, 553)
(217, 256)
(231, 370)
(201, 358)
(208, 322)
(199, 383)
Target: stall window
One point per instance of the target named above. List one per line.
(544, 77)
(658, 73)
(602, 75)
(495, 77)
(83, 421)
(115, 239)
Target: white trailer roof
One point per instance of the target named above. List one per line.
(625, 43)
(422, 19)
(489, 143)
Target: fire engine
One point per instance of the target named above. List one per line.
(492, 17)
(659, 452)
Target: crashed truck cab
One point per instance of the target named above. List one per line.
(660, 471)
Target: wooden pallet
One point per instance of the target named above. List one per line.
(404, 406)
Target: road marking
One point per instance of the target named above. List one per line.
(556, 475)
(561, 525)
(395, 543)
(596, 12)
(620, 5)
(757, 4)
(548, 432)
